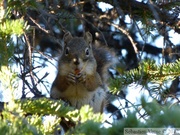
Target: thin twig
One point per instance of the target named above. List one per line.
(127, 34)
(80, 17)
(144, 39)
(29, 52)
(39, 26)
(33, 79)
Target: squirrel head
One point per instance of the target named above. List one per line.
(78, 53)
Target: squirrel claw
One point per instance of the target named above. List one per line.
(71, 78)
(81, 77)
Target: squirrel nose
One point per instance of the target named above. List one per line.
(76, 61)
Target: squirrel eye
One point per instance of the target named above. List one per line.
(67, 51)
(87, 51)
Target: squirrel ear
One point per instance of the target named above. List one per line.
(88, 37)
(67, 37)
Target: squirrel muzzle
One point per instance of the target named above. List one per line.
(76, 61)
(78, 65)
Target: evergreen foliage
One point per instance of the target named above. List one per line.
(147, 72)
(29, 116)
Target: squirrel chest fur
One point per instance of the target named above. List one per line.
(78, 81)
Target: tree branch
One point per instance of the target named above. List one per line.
(140, 10)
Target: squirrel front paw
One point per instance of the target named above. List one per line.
(73, 79)
(81, 77)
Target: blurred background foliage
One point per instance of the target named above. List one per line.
(144, 36)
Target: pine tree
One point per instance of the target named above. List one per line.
(30, 38)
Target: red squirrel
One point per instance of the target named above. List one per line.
(79, 79)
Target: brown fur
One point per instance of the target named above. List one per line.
(87, 87)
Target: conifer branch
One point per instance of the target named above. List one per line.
(148, 71)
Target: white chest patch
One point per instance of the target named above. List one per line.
(78, 96)
(94, 99)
